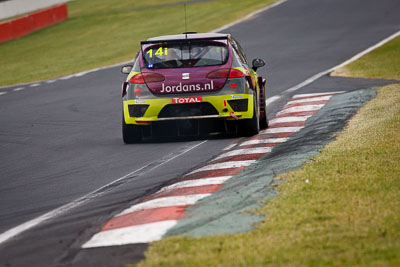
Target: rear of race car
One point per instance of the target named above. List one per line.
(185, 84)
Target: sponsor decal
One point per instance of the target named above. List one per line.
(236, 96)
(140, 101)
(184, 100)
(180, 88)
(185, 76)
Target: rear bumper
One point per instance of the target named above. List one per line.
(230, 107)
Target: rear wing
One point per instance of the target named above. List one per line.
(184, 40)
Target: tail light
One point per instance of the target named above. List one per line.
(234, 73)
(225, 73)
(148, 77)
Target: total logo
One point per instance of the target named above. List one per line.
(185, 100)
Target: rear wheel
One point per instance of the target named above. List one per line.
(251, 126)
(130, 133)
(263, 110)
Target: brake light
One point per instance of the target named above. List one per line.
(148, 77)
(234, 73)
(138, 78)
(218, 74)
(225, 73)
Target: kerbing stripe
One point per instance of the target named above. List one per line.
(281, 130)
(224, 165)
(289, 119)
(165, 202)
(264, 141)
(130, 235)
(310, 99)
(230, 146)
(197, 182)
(300, 109)
(247, 151)
(316, 94)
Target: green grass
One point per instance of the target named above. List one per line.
(101, 32)
(382, 63)
(347, 215)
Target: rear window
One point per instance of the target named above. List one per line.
(185, 55)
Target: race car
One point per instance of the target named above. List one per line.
(192, 84)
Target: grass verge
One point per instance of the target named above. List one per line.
(383, 63)
(101, 32)
(349, 212)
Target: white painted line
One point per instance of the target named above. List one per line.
(18, 89)
(300, 109)
(196, 182)
(34, 85)
(319, 75)
(247, 151)
(288, 119)
(3, 93)
(67, 77)
(94, 194)
(317, 95)
(130, 235)
(271, 99)
(163, 202)
(80, 74)
(264, 141)
(224, 165)
(310, 99)
(249, 16)
(51, 81)
(281, 130)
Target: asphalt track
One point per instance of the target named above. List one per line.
(60, 141)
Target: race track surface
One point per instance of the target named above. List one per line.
(61, 141)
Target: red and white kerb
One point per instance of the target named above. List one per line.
(150, 219)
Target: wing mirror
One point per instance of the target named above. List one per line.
(258, 63)
(126, 69)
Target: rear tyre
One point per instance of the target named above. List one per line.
(263, 106)
(130, 133)
(251, 126)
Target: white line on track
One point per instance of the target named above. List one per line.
(264, 141)
(34, 85)
(322, 73)
(163, 202)
(3, 93)
(248, 151)
(18, 89)
(249, 16)
(94, 194)
(130, 235)
(288, 119)
(196, 182)
(224, 165)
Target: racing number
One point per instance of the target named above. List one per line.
(159, 52)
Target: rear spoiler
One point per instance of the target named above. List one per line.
(184, 40)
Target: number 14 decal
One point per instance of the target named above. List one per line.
(159, 52)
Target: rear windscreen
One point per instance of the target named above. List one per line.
(185, 55)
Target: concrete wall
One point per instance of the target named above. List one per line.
(13, 8)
